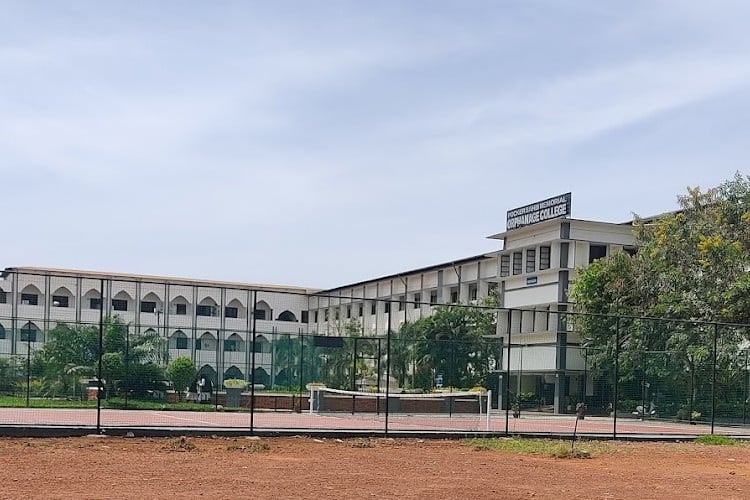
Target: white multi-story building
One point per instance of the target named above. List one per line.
(212, 321)
(530, 276)
(209, 321)
(403, 297)
(535, 268)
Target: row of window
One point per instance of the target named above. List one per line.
(517, 259)
(401, 301)
(32, 299)
(29, 334)
(230, 345)
(531, 263)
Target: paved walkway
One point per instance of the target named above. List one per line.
(529, 423)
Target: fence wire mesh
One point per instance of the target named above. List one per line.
(85, 352)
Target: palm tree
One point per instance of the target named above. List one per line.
(286, 356)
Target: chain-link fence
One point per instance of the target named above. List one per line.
(83, 352)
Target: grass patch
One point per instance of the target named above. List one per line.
(255, 447)
(554, 448)
(566, 452)
(362, 443)
(113, 402)
(34, 402)
(181, 444)
(140, 404)
(715, 440)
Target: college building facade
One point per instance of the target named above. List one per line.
(212, 322)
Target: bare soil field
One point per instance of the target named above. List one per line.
(302, 467)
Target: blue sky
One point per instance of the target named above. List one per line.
(323, 143)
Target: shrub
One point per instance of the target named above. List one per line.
(235, 383)
(180, 372)
(713, 439)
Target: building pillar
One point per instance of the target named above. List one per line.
(14, 292)
(561, 389)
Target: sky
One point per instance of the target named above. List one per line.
(324, 143)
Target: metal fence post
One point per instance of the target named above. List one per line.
(713, 377)
(508, 401)
(387, 367)
(747, 396)
(252, 366)
(379, 377)
(220, 365)
(127, 364)
(354, 364)
(101, 353)
(454, 376)
(28, 364)
(301, 365)
(617, 377)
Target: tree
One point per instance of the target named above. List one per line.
(333, 365)
(691, 267)
(130, 362)
(181, 372)
(9, 375)
(286, 360)
(113, 370)
(76, 344)
(452, 342)
(338, 362)
(403, 358)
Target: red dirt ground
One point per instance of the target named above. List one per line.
(301, 467)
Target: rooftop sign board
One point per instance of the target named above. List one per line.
(552, 208)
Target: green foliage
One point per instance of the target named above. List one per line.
(691, 266)
(286, 350)
(698, 256)
(129, 361)
(143, 380)
(77, 344)
(10, 375)
(110, 402)
(451, 342)
(20, 401)
(181, 372)
(334, 366)
(113, 366)
(551, 447)
(235, 383)
(713, 439)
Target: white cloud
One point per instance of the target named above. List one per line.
(355, 136)
(574, 107)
